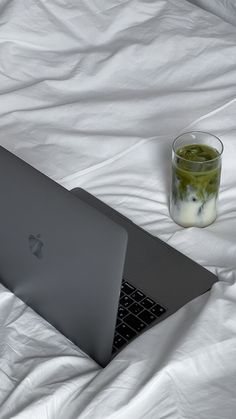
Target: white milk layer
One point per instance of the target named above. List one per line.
(190, 213)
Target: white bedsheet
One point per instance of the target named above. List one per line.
(92, 94)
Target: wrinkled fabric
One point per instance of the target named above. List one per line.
(93, 94)
(225, 9)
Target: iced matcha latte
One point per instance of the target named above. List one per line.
(196, 169)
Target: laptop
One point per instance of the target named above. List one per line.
(89, 271)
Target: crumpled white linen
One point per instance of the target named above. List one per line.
(225, 9)
(92, 94)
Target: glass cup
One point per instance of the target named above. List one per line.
(196, 170)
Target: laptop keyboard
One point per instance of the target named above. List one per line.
(136, 312)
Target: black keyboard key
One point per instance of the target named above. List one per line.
(135, 323)
(158, 310)
(122, 312)
(126, 301)
(147, 317)
(127, 288)
(119, 341)
(125, 331)
(147, 303)
(118, 321)
(138, 295)
(135, 308)
(122, 294)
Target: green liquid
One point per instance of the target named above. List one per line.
(196, 174)
(197, 152)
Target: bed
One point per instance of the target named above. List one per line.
(93, 94)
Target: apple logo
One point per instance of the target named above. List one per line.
(36, 245)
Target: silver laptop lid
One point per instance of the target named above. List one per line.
(62, 257)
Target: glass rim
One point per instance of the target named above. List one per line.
(198, 132)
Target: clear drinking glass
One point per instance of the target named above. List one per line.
(196, 170)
